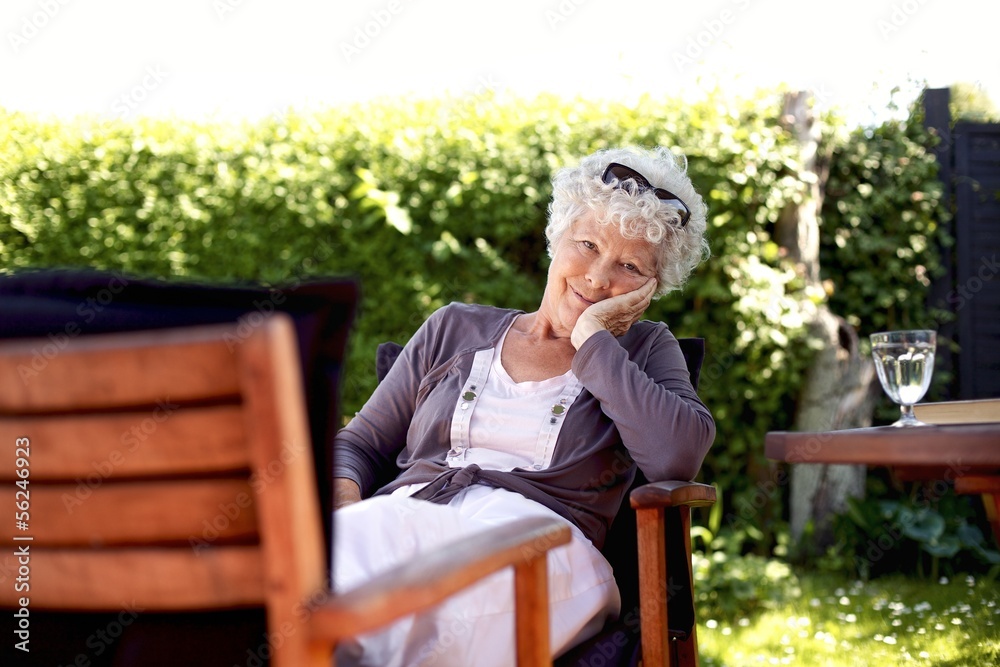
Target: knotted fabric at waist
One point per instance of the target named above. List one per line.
(449, 483)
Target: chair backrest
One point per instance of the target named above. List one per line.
(171, 470)
(60, 304)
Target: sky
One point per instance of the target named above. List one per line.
(227, 59)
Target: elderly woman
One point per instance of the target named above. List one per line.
(492, 415)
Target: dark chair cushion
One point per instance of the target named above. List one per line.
(385, 357)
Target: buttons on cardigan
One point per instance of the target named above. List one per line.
(557, 410)
(468, 397)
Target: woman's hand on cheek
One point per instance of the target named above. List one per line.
(616, 314)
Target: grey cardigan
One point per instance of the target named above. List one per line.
(637, 407)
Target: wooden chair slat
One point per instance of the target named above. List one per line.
(114, 370)
(148, 579)
(187, 512)
(978, 484)
(531, 614)
(291, 533)
(169, 439)
(653, 578)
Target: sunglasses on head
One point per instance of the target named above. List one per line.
(624, 174)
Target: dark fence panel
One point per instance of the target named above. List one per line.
(969, 158)
(976, 179)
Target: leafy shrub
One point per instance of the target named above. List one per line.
(883, 234)
(929, 533)
(730, 582)
(730, 585)
(882, 227)
(428, 202)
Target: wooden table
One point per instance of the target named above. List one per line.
(966, 454)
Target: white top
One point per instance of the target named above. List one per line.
(500, 424)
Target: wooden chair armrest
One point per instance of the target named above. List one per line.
(672, 493)
(423, 583)
(651, 502)
(985, 483)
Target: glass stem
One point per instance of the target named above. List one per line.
(907, 412)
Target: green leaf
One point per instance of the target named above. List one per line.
(945, 547)
(969, 535)
(923, 525)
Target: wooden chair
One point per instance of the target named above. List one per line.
(172, 470)
(649, 547)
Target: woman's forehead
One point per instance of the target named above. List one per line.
(611, 233)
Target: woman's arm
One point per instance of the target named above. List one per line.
(365, 449)
(662, 422)
(345, 492)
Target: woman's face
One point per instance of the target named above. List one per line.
(593, 262)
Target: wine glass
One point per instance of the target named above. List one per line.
(905, 362)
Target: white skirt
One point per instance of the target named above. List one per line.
(474, 628)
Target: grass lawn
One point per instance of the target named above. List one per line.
(885, 622)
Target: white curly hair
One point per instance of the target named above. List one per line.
(578, 190)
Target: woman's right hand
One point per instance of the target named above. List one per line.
(345, 492)
(616, 314)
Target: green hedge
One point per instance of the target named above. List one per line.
(434, 201)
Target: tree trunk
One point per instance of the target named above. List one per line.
(837, 392)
